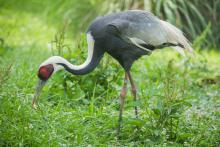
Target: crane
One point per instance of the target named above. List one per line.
(126, 36)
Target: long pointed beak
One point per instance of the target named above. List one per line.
(39, 88)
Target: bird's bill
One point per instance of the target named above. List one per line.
(39, 88)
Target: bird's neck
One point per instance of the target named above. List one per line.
(91, 62)
(94, 56)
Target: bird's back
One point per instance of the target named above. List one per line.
(136, 17)
(141, 28)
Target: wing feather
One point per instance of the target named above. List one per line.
(145, 28)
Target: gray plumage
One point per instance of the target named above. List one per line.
(128, 35)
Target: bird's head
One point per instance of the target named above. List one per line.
(45, 71)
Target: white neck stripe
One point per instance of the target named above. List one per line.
(57, 59)
(90, 42)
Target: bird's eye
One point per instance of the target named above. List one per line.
(45, 72)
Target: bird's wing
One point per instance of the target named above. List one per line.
(148, 32)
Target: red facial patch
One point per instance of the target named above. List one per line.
(45, 72)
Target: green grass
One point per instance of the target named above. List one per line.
(178, 97)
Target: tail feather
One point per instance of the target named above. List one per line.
(174, 35)
(179, 50)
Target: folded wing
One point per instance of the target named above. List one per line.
(147, 32)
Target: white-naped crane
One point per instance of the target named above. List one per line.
(126, 36)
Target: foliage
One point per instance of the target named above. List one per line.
(191, 16)
(178, 97)
(4, 75)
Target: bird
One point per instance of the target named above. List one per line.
(125, 36)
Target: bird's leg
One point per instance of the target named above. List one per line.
(122, 100)
(134, 92)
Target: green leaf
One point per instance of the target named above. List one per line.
(156, 111)
(135, 122)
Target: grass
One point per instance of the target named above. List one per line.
(178, 97)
